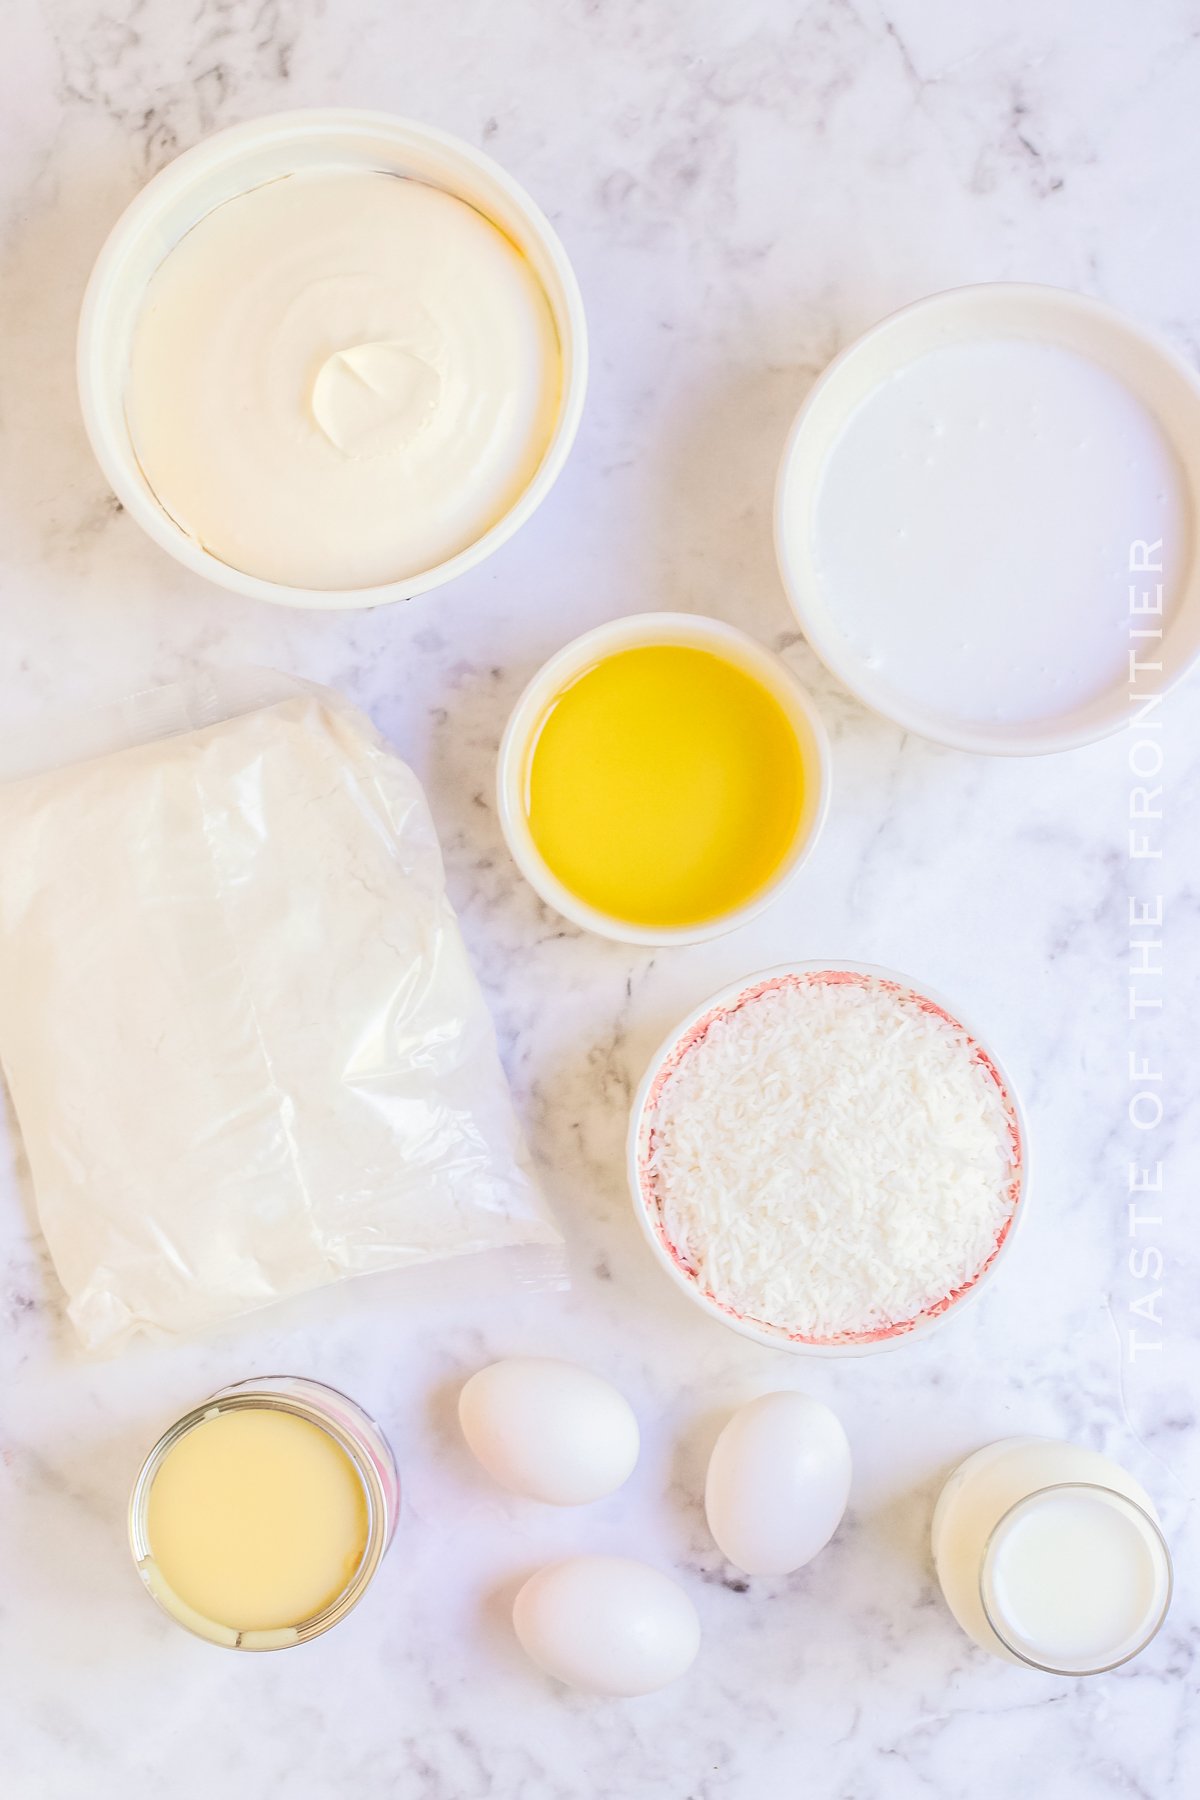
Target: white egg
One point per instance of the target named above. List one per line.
(778, 1482)
(607, 1624)
(549, 1430)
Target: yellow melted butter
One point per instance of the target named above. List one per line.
(664, 786)
(257, 1519)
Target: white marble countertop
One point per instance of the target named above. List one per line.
(742, 189)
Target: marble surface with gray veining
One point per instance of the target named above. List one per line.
(742, 189)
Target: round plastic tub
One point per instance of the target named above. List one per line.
(244, 157)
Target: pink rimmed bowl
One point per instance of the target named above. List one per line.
(647, 1201)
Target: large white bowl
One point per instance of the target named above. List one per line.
(244, 157)
(648, 1213)
(625, 634)
(1167, 387)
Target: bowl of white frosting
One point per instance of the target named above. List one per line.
(332, 358)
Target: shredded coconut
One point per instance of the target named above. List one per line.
(832, 1157)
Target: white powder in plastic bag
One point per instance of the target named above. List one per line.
(243, 1040)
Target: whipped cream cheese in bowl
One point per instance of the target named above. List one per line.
(332, 358)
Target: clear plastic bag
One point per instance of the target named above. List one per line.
(243, 1040)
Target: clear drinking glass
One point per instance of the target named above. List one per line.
(1051, 1555)
(1157, 1580)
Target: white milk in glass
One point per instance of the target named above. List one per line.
(1051, 1555)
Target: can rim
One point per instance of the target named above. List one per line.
(260, 1396)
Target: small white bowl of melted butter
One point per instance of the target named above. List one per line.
(332, 358)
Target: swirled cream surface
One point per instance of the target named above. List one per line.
(342, 378)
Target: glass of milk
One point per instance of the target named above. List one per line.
(1052, 1556)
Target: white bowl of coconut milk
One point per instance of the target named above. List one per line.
(986, 507)
(332, 358)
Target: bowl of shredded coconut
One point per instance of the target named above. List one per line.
(825, 1158)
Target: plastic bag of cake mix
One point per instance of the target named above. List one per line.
(242, 1037)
